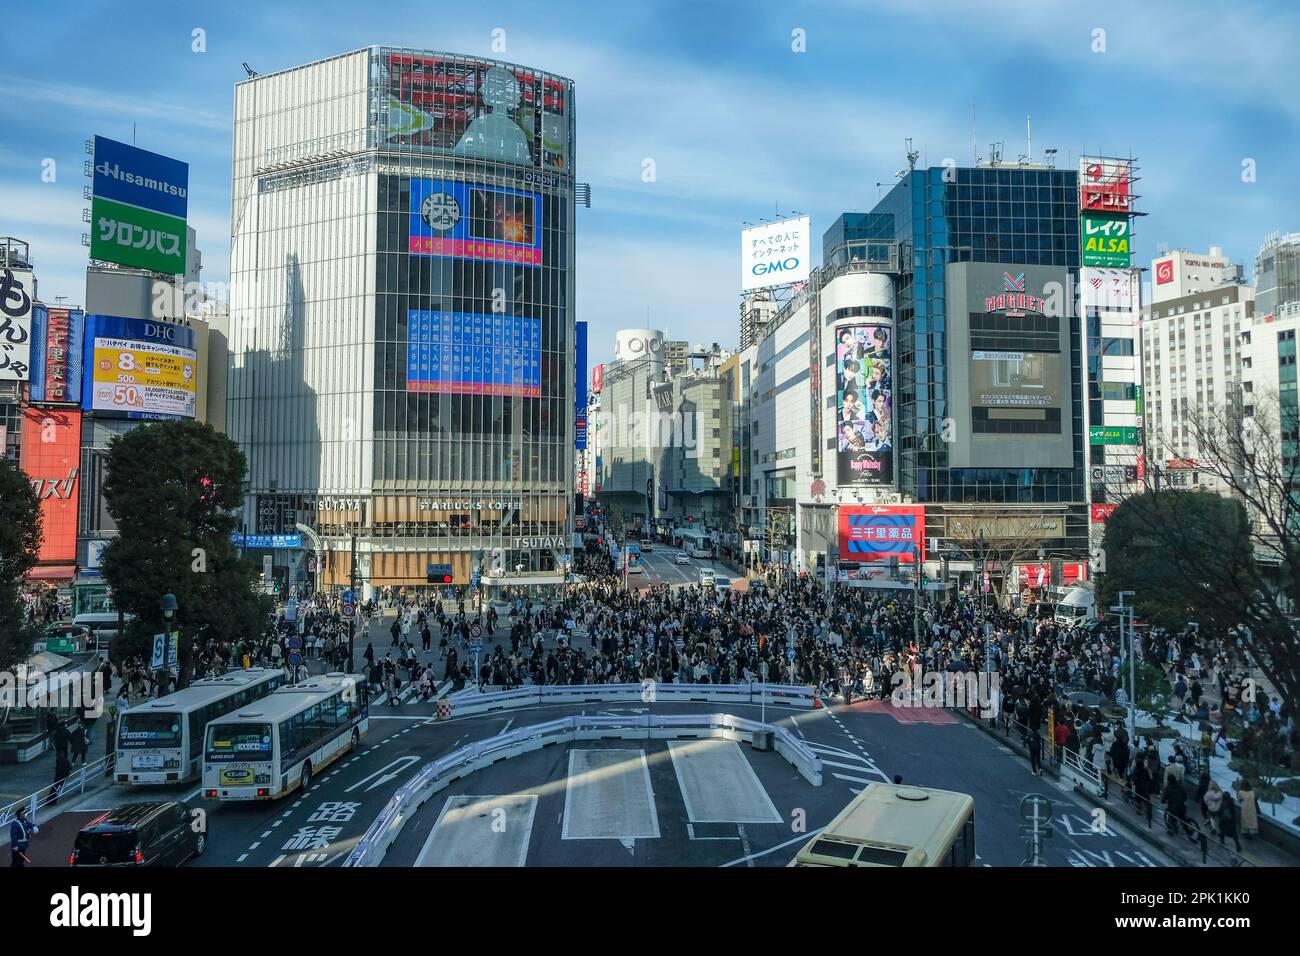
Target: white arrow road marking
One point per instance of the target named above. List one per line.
(401, 763)
(845, 776)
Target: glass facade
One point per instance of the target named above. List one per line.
(944, 215)
(403, 310)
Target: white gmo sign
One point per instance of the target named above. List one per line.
(775, 253)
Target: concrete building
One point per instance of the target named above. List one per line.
(1182, 272)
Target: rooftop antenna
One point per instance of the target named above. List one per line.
(912, 155)
(1029, 138)
(250, 71)
(974, 150)
(1049, 156)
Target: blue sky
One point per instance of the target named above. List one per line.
(738, 124)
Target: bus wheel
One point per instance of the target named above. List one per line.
(305, 782)
(356, 739)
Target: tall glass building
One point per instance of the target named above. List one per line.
(402, 320)
(988, 390)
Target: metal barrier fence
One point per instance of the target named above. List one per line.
(444, 771)
(74, 783)
(469, 701)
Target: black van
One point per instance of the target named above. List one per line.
(140, 834)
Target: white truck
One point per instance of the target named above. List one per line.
(1077, 606)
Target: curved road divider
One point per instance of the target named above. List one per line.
(467, 702)
(439, 774)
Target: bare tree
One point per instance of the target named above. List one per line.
(1008, 540)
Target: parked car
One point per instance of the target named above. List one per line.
(158, 833)
(682, 559)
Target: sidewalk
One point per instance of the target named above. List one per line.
(1176, 846)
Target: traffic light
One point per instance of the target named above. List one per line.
(438, 574)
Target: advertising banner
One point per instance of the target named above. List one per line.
(598, 378)
(881, 532)
(1108, 289)
(1112, 435)
(580, 387)
(1104, 185)
(471, 354)
(466, 107)
(864, 403)
(1037, 576)
(56, 355)
(1099, 513)
(131, 236)
(467, 221)
(1003, 379)
(137, 177)
(141, 368)
(51, 459)
(776, 253)
(15, 325)
(1104, 241)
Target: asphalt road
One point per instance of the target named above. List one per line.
(640, 803)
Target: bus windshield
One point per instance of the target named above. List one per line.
(239, 742)
(149, 730)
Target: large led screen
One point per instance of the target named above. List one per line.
(466, 221)
(476, 109)
(142, 369)
(864, 403)
(471, 354)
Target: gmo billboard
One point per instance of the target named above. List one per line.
(139, 368)
(776, 253)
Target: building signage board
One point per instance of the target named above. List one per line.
(969, 528)
(864, 405)
(580, 387)
(137, 177)
(539, 543)
(1104, 241)
(467, 353)
(1099, 513)
(292, 541)
(141, 368)
(882, 532)
(57, 355)
(1104, 185)
(16, 295)
(776, 253)
(1112, 435)
(1108, 289)
(141, 238)
(471, 221)
(51, 459)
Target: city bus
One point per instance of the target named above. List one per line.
(891, 825)
(161, 741)
(696, 543)
(278, 744)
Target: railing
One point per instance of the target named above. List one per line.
(442, 772)
(75, 782)
(469, 701)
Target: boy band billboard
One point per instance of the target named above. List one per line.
(864, 404)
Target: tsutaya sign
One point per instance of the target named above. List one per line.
(1013, 297)
(537, 544)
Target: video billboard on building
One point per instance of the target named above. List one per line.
(467, 221)
(775, 254)
(880, 532)
(471, 354)
(864, 404)
(140, 368)
(51, 459)
(16, 294)
(474, 108)
(56, 355)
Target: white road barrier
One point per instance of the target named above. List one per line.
(439, 774)
(469, 701)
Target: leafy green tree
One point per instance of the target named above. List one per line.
(20, 542)
(172, 488)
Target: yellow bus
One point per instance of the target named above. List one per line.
(890, 825)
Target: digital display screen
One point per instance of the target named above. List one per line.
(864, 403)
(466, 221)
(470, 354)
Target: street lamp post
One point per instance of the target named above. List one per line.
(168, 606)
(1126, 627)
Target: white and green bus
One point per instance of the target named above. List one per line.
(161, 741)
(278, 744)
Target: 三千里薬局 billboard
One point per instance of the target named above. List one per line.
(140, 368)
(880, 532)
(473, 108)
(468, 221)
(777, 253)
(864, 403)
(56, 355)
(471, 354)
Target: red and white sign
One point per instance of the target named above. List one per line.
(1104, 185)
(1099, 513)
(1164, 271)
(1040, 575)
(880, 532)
(51, 459)
(597, 378)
